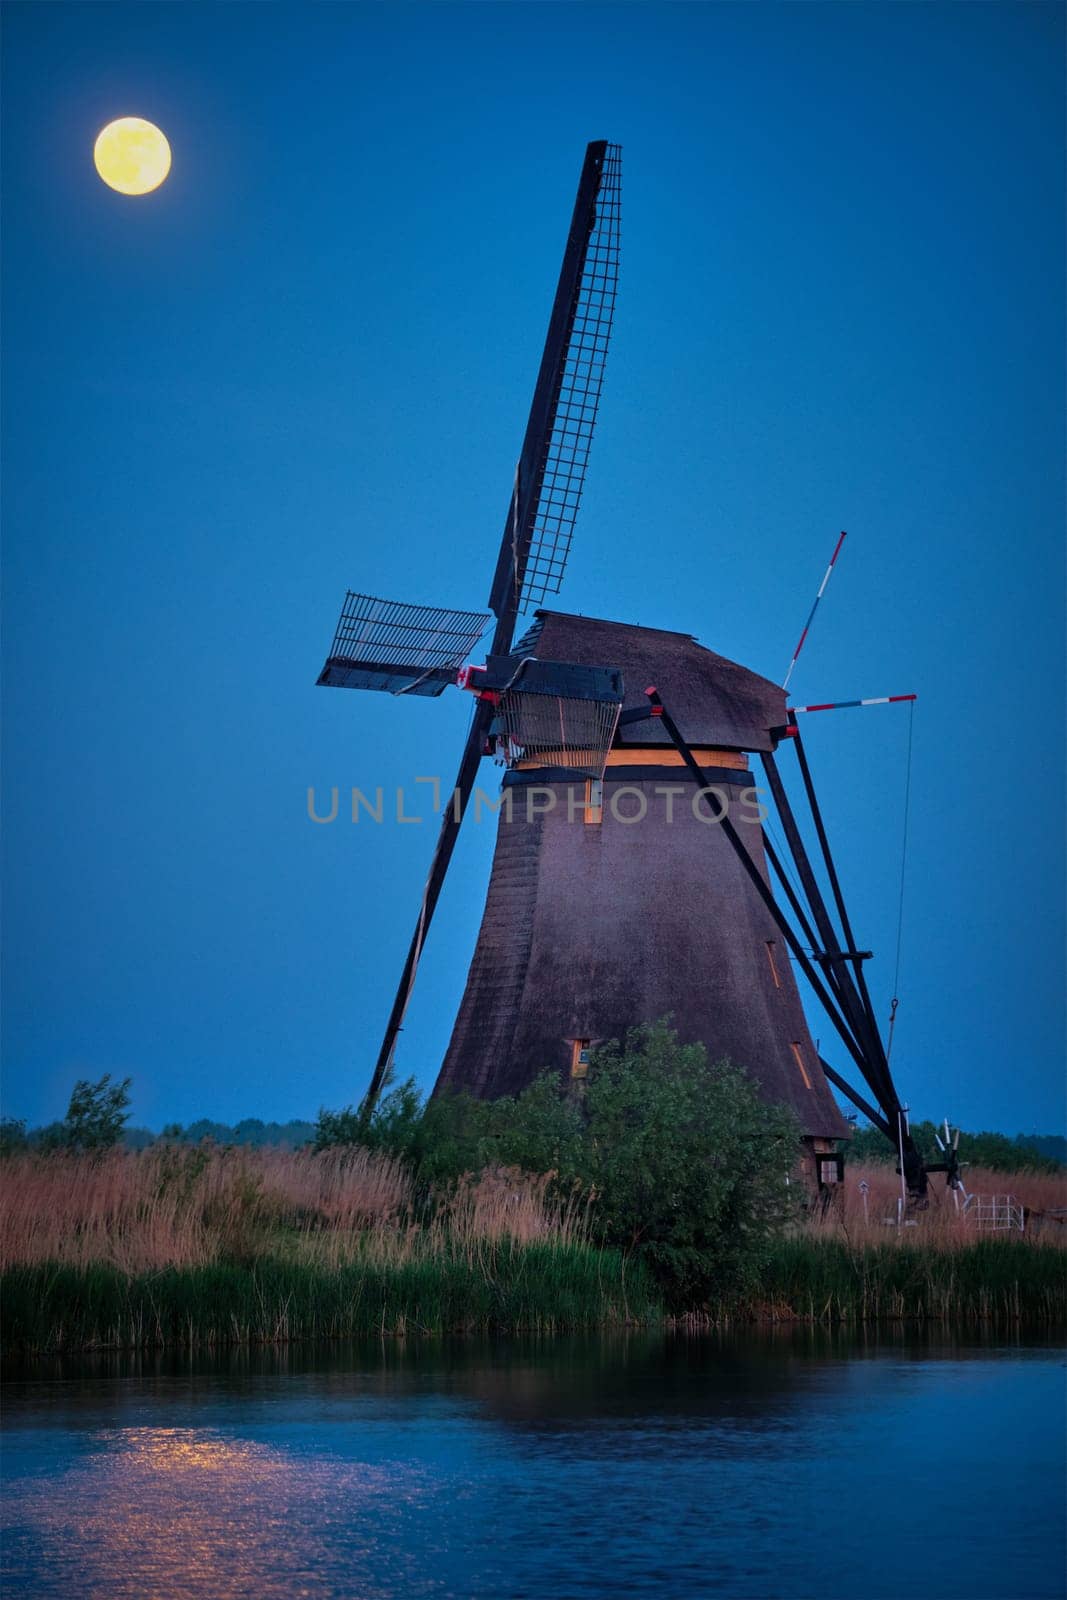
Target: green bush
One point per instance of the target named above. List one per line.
(691, 1166)
(687, 1166)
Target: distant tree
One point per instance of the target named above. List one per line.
(1052, 1146)
(95, 1117)
(204, 1128)
(249, 1131)
(13, 1136)
(992, 1150)
(297, 1133)
(868, 1144)
(49, 1137)
(1001, 1154)
(137, 1138)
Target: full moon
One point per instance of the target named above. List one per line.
(132, 155)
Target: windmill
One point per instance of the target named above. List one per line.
(632, 874)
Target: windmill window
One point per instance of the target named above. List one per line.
(831, 1170)
(579, 1058)
(594, 800)
(795, 1047)
(774, 964)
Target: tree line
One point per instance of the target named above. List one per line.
(1024, 1153)
(98, 1118)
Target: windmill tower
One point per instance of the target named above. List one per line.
(632, 876)
(615, 899)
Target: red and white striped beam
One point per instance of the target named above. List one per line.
(811, 613)
(841, 705)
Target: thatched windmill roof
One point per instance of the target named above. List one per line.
(714, 701)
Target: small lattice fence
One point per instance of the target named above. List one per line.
(995, 1213)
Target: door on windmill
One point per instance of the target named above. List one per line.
(579, 1058)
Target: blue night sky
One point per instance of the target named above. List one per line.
(304, 364)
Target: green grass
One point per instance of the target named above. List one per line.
(505, 1288)
(996, 1280)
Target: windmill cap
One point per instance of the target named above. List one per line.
(715, 702)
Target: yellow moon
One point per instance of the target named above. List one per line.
(132, 155)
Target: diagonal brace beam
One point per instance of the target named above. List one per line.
(756, 879)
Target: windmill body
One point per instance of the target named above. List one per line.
(612, 906)
(632, 877)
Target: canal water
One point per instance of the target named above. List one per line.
(796, 1466)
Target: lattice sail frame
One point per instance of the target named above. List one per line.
(578, 397)
(401, 648)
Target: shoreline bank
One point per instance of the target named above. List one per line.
(505, 1287)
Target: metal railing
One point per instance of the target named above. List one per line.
(995, 1213)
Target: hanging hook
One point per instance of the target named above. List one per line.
(892, 1024)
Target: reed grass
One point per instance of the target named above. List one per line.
(507, 1288)
(181, 1206)
(175, 1246)
(988, 1280)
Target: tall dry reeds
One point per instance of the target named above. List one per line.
(179, 1246)
(173, 1205)
(176, 1206)
(179, 1206)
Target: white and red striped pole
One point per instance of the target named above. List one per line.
(841, 705)
(811, 613)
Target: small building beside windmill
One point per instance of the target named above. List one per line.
(615, 903)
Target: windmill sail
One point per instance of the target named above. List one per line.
(555, 451)
(545, 497)
(402, 649)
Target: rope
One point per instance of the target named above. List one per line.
(903, 867)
